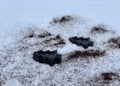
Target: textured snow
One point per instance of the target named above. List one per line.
(17, 63)
(13, 82)
(18, 19)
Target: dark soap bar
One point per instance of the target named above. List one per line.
(48, 57)
(85, 42)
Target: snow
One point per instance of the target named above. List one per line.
(19, 18)
(13, 82)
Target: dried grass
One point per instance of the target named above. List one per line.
(114, 42)
(62, 20)
(86, 53)
(99, 29)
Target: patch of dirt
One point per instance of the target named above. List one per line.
(86, 53)
(62, 20)
(57, 37)
(30, 34)
(0, 82)
(52, 40)
(114, 42)
(107, 76)
(45, 34)
(99, 29)
(105, 79)
(57, 41)
(61, 42)
(33, 39)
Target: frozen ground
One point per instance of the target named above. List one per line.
(21, 19)
(18, 67)
(16, 14)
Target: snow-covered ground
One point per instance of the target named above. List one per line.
(20, 18)
(20, 13)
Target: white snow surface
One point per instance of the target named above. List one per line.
(19, 18)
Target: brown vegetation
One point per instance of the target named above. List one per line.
(30, 34)
(105, 79)
(98, 29)
(45, 34)
(107, 75)
(114, 42)
(57, 38)
(86, 53)
(63, 19)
